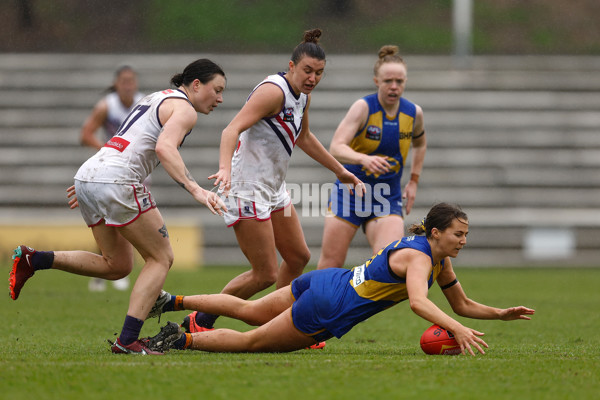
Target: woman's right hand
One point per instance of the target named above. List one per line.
(211, 200)
(467, 337)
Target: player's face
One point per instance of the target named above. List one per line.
(208, 96)
(126, 84)
(390, 81)
(306, 75)
(454, 238)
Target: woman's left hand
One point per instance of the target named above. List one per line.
(512, 313)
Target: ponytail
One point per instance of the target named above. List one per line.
(440, 216)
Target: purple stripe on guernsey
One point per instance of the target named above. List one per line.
(292, 92)
(190, 131)
(280, 135)
(160, 104)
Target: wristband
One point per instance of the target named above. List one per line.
(414, 178)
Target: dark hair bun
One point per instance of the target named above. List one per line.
(312, 36)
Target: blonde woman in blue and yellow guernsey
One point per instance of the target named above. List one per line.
(373, 142)
(325, 303)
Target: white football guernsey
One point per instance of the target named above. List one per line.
(116, 113)
(129, 156)
(260, 163)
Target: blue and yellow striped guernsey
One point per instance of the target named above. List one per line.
(384, 136)
(347, 297)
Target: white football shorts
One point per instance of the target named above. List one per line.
(115, 204)
(254, 205)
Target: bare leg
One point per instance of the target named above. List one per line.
(337, 236)
(252, 312)
(149, 236)
(290, 242)
(383, 231)
(115, 262)
(277, 335)
(256, 239)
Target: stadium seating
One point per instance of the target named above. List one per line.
(513, 140)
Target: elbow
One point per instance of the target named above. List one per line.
(231, 132)
(420, 145)
(162, 150)
(334, 150)
(460, 309)
(83, 138)
(159, 150)
(417, 305)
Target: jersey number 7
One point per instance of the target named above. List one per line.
(133, 116)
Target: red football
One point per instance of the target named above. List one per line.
(437, 340)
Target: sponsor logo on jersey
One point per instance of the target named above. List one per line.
(359, 275)
(288, 114)
(373, 132)
(117, 143)
(406, 135)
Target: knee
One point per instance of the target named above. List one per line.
(164, 258)
(254, 344)
(330, 262)
(305, 258)
(252, 315)
(299, 259)
(264, 279)
(169, 259)
(119, 269)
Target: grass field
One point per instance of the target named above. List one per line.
(54, 346)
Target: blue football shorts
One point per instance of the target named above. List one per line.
(380, 200)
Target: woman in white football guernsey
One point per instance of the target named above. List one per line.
(120, 210)
(109, 113)
(256, 147)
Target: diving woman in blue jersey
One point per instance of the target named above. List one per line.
(373, 142)
(325, 303)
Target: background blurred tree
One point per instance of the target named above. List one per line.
(338, 7)
(25, 13)
(244, 26)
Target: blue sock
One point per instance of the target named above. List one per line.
(206, 320)
(42, 260)
(131, 330)
(179, 344)
(170, 306)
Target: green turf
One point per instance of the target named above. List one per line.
(54, 346)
